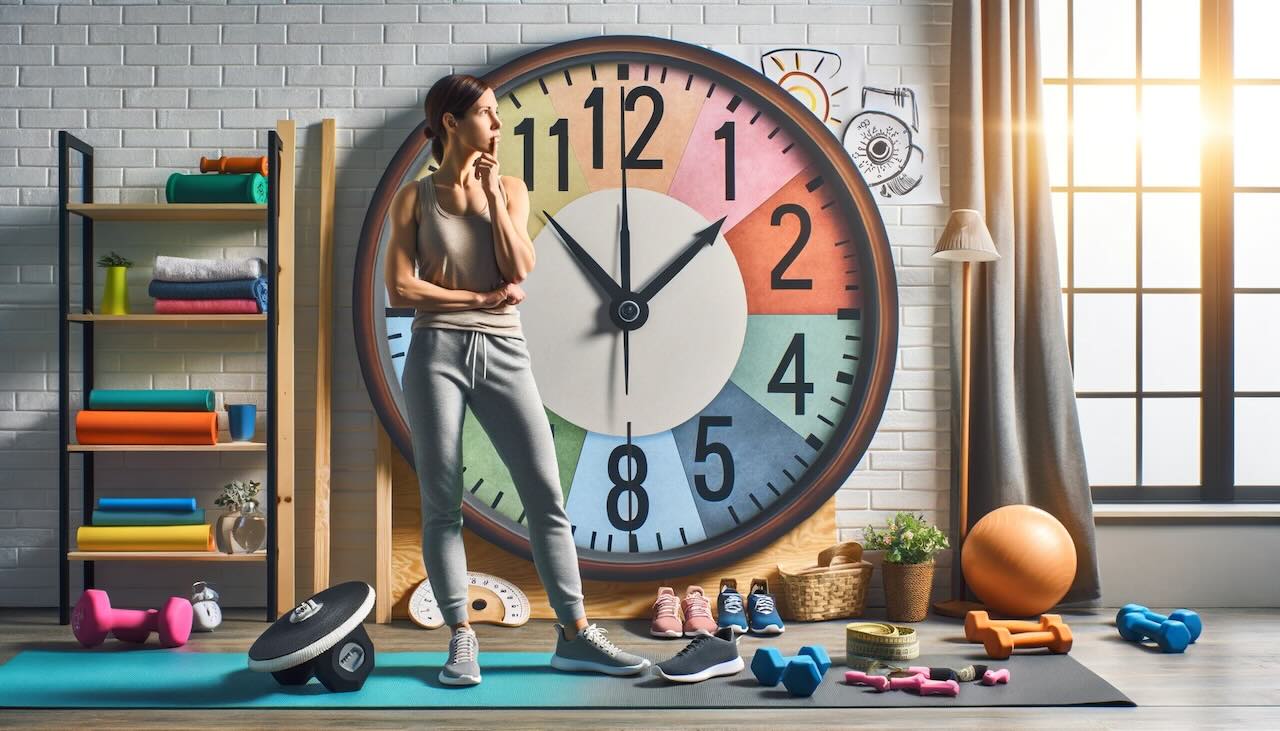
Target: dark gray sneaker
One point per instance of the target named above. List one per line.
(463, 667)
(705, 657)
(591, 651)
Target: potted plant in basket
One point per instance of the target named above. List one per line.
(908, 543)
(115, 293)
(243, 528)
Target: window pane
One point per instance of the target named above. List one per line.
(1171, 441)
(1170, 342)
(1060, 233)
(1171, 240)
(1053, 39)
(1257, 242)
(1104, 342)
(1107, 427)
(1106, 241)
(1257, 154)
(1104, 39)
(1055, 132)
(1257, 347)
(1170, 135)
(1105, 126)
(1170, 39)
(1256, 462)
(1255, 38)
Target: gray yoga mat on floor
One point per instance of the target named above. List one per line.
(116, 675)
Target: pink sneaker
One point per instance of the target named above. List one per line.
(697, 613)
(666, 617)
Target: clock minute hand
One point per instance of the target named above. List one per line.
(705, 237)
(593, 270)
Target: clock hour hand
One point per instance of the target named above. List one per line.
(593, 270)
(705, 237)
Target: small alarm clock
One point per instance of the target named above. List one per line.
(206, 614)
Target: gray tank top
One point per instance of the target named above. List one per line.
(456, 252)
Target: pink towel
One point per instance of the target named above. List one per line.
(206, 307)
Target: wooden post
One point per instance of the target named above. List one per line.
(324, 356)
(285, 444)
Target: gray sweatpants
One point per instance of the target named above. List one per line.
(445, 371)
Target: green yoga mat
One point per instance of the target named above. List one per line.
(118, 676)
(156, 399)
(146, 517)
(216, 188)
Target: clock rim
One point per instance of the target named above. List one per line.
(880, 300)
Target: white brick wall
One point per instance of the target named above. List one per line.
(153, 87)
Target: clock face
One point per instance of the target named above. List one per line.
(759, 318)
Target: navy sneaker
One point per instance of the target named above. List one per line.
(729, 607)
(707, 656)
(765, 619)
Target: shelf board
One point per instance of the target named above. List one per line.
(165, 556)
(220, 447)
(154, 318)
(170, 211)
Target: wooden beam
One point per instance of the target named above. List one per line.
(324, 355)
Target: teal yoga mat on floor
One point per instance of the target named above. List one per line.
(151, 399)
(118, 676)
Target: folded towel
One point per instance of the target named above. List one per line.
(165, 504)
(145, 538)
(227, 289)
(179, 269)
(151, 399)
(206, 307)
(145, 517)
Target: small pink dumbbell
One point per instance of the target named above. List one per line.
(922, 685)
(857, 677)
(991, 677)
(94, 618)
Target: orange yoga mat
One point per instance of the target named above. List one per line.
(146, 427)
(145, 537)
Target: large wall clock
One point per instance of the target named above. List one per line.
(717, 388)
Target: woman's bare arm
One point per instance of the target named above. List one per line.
(511, 244)
(404, 288)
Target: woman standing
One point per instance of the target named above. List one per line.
(464, 228)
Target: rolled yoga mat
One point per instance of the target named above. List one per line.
(146, 427)
(216, 188)
(182, 269)
(145, 538)
(206, 307)
(151, 399)
(137, 517)
(255, 289)
(165, 504)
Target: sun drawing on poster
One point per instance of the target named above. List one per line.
(808, 75)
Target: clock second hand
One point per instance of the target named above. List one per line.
(624, 242)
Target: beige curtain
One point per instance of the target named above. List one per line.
(1025, 435)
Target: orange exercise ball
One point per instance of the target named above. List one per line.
(1019, 560)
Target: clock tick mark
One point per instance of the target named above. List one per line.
(775, 490)
(733, 514)
(624, 71)
(663, 78)
(825, 420)
(593, 540)
(683, 538)
(397, 355)
(849, 313)
(851, 255)
(496, 500)
(852, 287)
(845, 378)
(633, 545)
(754, 117)
(711, 89)
(593, 72)
(789, 475)
(688, 82)
(849, 356)
(477, 485)
(567, 79)
(838, 401)
(757, 502)
(733, 103)
(813, 441)
(774, 132)
(543, 85)
(573, 529)
(787, 149)
(659, 537)
(646, 72)
(608, 546)
(514, 100)
(521, 518)
(842, 243)
(856, 338)
(801, 461)
(827, 205)
(814, 184)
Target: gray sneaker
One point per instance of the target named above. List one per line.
(463, 668)
(591, 651)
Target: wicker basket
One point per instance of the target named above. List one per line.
(836, 588)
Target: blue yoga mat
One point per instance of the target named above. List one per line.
(227, 289)
(170, 504)
(116, 675)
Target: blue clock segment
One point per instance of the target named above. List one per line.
(738, 458)
(638, 504)
(399, 334)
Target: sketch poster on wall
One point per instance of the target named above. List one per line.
(826, 80)
(890, 141)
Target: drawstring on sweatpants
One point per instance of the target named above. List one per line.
(471, 354)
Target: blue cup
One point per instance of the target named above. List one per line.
(241, 419)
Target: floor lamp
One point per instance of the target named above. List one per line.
(965, 239)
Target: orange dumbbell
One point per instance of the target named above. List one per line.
(1000, 642)
(976, 621)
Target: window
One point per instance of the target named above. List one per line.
(1165, 177)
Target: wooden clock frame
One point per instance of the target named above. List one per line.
(879, 307)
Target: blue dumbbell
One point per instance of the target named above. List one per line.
(1171, 635)
(801, 674)
(1185, 616)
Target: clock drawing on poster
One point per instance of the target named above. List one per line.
(716, 389)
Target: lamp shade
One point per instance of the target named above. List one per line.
(966, 238)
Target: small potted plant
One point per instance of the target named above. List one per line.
(908, 543)
(115, 294)
(242, 528)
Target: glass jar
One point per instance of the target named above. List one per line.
(249, 531)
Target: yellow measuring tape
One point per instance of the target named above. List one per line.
(867, 642)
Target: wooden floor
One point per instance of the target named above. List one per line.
(1229, 679)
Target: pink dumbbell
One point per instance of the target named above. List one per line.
(857, 677)
(991, 677)
(93, 618)
(922, 685)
